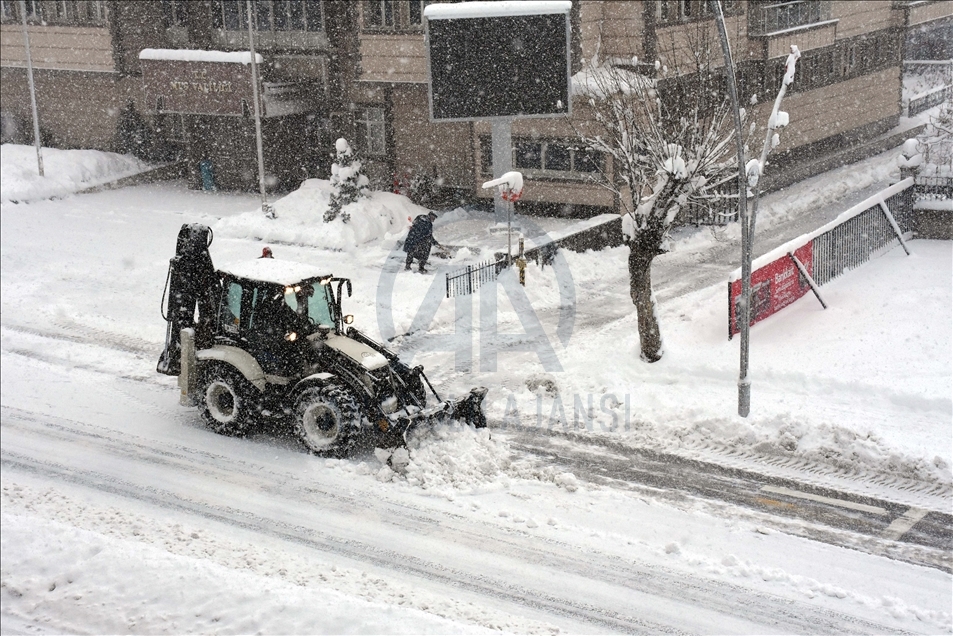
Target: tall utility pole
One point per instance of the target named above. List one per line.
(267, 209)
(744, 315)
(29, 75)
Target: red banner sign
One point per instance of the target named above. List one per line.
(773, 287)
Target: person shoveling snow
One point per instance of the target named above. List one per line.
(419, 241)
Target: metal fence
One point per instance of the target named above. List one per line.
(853, 242)
(466, 281)
(933, 188)
(719, 212)
(929, 100)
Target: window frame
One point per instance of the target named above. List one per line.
(312, 15)
(818, 12)
(57, 12)
(400, 15)
(673, 12)
(574, 148)
(367, 124)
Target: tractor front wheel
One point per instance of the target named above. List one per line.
(327, 419)
(225, 401)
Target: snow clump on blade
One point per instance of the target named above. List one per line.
(453, 457)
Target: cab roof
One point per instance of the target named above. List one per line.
(272, 270)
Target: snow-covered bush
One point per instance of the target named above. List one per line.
(380, 216)
(348, 181)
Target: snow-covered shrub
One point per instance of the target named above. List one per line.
(348, 181)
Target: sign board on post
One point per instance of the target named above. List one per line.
(197, 82)
(498, 59)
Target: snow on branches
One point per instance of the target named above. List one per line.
(667, 153)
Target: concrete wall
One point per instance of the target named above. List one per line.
(926, 12)
(398, 57)
(855, 18)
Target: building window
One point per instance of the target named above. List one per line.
(372, 125)
(558, 159)
(394, 14)
(848, 60)
(528, 155)
(675, 11)
(269, 15)
(379, 14)
(174, 12)
(57, 12)
(415, 12)
(770, 17)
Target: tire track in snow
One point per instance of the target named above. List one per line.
(190, 466)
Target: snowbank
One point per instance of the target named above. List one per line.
(65, 171)
(300, 214)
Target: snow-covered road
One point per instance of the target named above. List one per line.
(494, 569)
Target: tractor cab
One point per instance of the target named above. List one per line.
(273, 309)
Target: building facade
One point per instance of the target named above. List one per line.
(358, 69)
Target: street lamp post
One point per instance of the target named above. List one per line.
(29, 75)
(267, 209)
(744, 317)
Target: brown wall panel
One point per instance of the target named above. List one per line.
(424, 147)
(66, 48)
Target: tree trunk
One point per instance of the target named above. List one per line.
(640, 288)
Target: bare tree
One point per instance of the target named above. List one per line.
(670, 138)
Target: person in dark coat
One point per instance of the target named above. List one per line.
(419, 240)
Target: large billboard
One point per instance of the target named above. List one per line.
(498, 59)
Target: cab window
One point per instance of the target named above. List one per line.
(319, 309)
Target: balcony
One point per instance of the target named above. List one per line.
(775, 18)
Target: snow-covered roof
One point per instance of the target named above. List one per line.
(502, 8)
(273, 270)
(198, 55)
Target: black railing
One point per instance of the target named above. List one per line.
(781, 16)
(853, 242)
(929, 100)
(721, 211)
(464, 282)
(933, 188)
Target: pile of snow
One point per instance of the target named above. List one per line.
(451, 459)
(300, 214)
(65, 171)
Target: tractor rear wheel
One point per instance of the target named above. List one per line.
(226, 401)
(327, 419)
